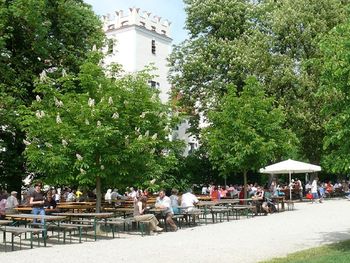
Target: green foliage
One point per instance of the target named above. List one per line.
(114, 129)
(37, 35)
(275, 41)
(246, 131)
(335, 91)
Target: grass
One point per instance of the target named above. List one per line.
(334, 253)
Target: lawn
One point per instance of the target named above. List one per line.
(337, 253)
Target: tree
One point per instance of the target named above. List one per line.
(36, 35)
(275, 41)
(335, 91)
(246, 132)
(114, 129)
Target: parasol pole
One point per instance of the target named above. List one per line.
(290, 186)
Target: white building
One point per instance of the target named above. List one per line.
(138, 39)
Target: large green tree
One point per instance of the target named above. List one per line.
(36, 35)
(274, 40)
(115, 129)
(336, 92)
(247, 132)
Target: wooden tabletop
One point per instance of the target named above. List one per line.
(96, 215)
(5, 222)
(31, 216)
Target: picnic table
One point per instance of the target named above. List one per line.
(43, 218)
(94, 216)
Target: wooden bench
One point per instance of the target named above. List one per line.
(18, 231)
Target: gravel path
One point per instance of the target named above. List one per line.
(245, 240)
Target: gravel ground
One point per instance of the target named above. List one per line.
(245, 240)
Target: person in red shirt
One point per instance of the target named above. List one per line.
(215, 195)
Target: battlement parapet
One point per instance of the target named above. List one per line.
(136, 17)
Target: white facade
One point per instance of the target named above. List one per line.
(140, 40)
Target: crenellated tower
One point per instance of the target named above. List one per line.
(137, 39)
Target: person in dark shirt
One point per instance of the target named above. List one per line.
(50, 202)
(37, 201)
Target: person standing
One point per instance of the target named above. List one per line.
(37, 201)
(314, 190)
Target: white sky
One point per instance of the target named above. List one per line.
(172, 10)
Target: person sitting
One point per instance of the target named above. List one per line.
(3, 200)
(108, 196)
(163, 202)
(188, 200)
(11, 203)
(258, 200)
(139, 214)
(215, 194)
(175, 201)
(50, 202)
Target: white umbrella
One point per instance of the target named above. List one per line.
(290, 167)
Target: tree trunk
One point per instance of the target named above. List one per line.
(98, 194)
(245, 187)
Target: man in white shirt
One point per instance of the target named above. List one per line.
(314, 191)
(164, 202)
(188, 200)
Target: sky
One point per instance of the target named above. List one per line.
(172, 10)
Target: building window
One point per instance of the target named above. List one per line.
(154, 84)
(153, 28)
(153, 47)
(143, 24)
(110, 44)
(163, 32)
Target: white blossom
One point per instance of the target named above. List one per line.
(79, 157)
(98, 124)
(143, 114)
(126, 102)
(64, 73)
(115, 115)
(147, 133)
(82, 171)
(58, 119)
(91, 102)
(87, 122)
(102, 167)
(152, 181)
(102, 99)
(43, 76)
(161, 115)
(49, 145)
(37, 97)
(140, 137)
(39, 114)
(154, 136)
(64, 142)
(94, 48)
(166, 128)
(58, 103)
(110, 100)
(26, 142)
(153, 151)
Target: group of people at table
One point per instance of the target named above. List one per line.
(169, 206)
